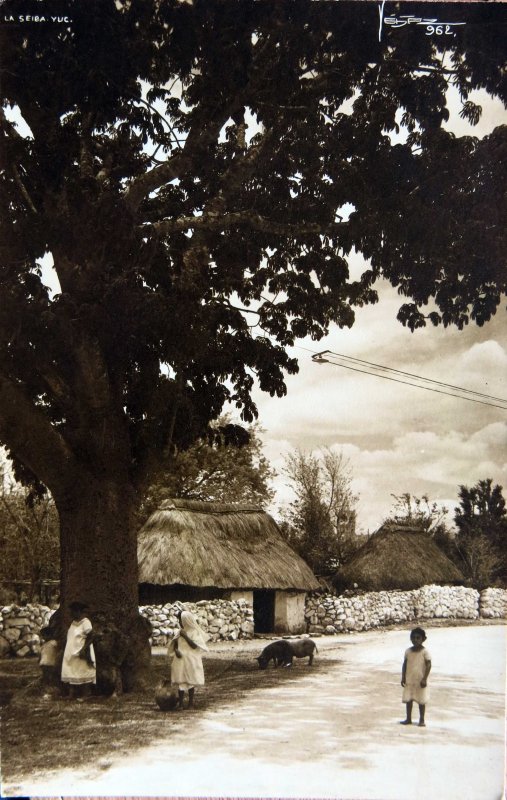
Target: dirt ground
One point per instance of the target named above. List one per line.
(329, 731)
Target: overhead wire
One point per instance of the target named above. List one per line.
(418, 377)
(418, 381)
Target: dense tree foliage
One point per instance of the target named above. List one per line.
(320, 523)
(481, 520)
(188, 166)
(219, 467)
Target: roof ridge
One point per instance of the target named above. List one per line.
(210, 507)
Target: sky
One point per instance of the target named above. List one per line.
(398, 438)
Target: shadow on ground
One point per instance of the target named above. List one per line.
(40, 735)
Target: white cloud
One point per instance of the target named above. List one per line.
(424, 463)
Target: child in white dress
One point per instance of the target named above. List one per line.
(414, 676)
(186, 667)
(78, 666)
(48, 660)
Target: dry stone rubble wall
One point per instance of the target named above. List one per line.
(222, 619)
(329, 614)
(19, 629)
(494, 603)
(225, 620)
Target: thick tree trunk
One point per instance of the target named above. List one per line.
(99, 567)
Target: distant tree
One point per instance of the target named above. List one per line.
(418, 511)
(224, 466)
(481, 520)
(320, 524)
(482, 510)
(480, 561)
(29, 538)
(430, 517)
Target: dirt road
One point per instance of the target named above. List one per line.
(334, 734)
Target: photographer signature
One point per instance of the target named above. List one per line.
(433, 26)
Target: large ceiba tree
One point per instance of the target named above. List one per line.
(187, 166)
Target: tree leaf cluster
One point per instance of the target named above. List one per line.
(176, 237)
(226, 466)
(481, 540)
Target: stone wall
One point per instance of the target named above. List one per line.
(221, 619)
(19, 629)
(227, 620)
(360, 612)
(493, 603)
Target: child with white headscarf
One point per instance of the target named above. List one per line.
(186, 667)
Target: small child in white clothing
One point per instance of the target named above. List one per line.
(48, 661)
(414, 676)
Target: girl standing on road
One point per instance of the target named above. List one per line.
(186, 667)
(414, 676)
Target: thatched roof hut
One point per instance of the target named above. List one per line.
(199, 544)
(397, 557)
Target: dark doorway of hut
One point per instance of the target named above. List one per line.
(264, 610)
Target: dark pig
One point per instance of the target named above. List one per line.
(279, 652)
(284, 651)
(300, 648)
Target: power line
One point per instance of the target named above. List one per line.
(418, 386)
(417, 377)
(418, 381)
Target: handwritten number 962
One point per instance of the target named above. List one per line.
(440, 30)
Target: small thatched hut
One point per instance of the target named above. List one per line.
(397, 557)
(190, 551)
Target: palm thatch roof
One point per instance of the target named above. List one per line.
(216, 545)
(397, 557)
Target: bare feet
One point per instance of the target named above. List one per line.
(422, 724)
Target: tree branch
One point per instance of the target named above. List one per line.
(86, 158)
(24, 192)
(31, 438)
(204, 132)
(215, 221)
(56, 385)
(199, 138)
(10, 131)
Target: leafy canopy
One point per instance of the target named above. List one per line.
(482, 508)
(216, 468)
(187, 166)
(481, 520)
